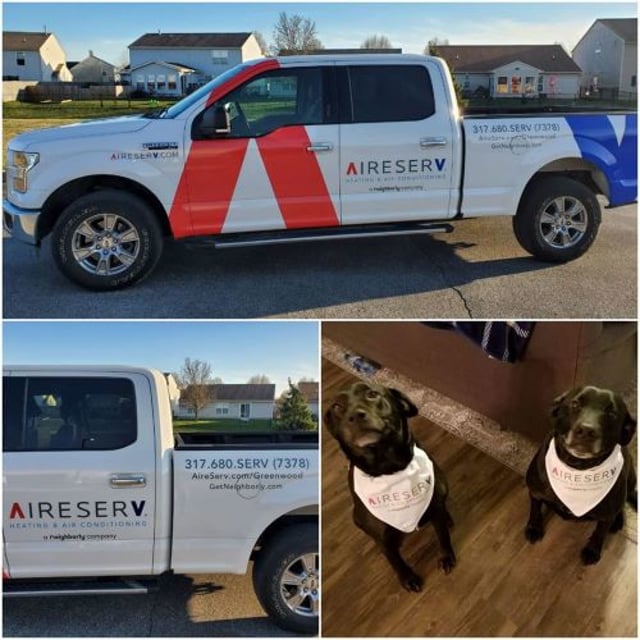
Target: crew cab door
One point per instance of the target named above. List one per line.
(78, 474)
(277, 166)
(397, 141)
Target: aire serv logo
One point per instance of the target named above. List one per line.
(85, 509)
(396, 167)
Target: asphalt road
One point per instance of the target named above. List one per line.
(184, 606)
(478, 271)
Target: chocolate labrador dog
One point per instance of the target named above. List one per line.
(396, 488)
(582, 470)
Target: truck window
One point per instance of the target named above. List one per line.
(68, 414)
(272, 100)
(390, 93)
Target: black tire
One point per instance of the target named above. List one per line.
(101, 253)
(283, 553)
(558, 219)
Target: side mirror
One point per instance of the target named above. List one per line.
(215, 122)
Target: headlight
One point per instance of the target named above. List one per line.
(22, 162)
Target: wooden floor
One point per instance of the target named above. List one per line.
(501, 586)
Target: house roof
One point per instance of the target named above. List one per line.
(626, 28)
(309, 391)
(191, 40)
(23, 40)
(176, 66)
(237, 392)
(330, 52)
(485, 58)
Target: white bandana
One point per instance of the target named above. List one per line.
(399, 499)
(582, 490)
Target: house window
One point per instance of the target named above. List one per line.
(245, 411)
(222, 410)
(633, 81)
(220, 57)
(172, 82)
(516, 85)
(503, 85)
(20, 58)
(529, 83)
(161, 84)
(151, 82)
(540, 84)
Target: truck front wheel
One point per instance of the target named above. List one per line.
(107, 240)
(286, 578)
(558, 219)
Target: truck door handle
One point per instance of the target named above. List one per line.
(320, 146)
(425, 143)
(125, 480)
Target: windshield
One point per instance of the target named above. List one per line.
(192, 98)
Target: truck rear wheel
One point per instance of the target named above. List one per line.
(286, 578)
(558, 219)
(107, 240)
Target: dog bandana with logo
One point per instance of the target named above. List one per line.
(582, 490)
(399, 499)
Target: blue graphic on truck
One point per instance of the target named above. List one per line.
(615, 156)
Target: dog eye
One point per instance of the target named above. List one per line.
(337, 408)
(575, 404)
(372, 395)
(610, 410)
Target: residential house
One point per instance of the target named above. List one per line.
(608, 55)
(310, 392)
(174, 64)
(30, 56)
(513, 71)
(174, 392)
(237, 401)
(93, 70)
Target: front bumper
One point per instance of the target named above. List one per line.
(22, 224)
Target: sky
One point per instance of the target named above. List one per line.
(235, 350)
(108, 28)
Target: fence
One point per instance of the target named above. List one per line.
(59, 91)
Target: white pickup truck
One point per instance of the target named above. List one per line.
(100, 495)
(312, 148)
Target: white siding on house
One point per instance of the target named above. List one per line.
(158, 78)
(251, 49)
(600, 54)
(31, 70)
(232, 410)
(629, 71)
(52, 56)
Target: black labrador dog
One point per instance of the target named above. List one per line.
(582, 470)
(390, 472)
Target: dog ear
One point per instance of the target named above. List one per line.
(330, 418)
(408, 408)
(628, 428)
(558, 402)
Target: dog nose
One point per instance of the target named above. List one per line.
(359, 415)
(584, 432)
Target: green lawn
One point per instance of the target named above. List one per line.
(229, 426)
(80, 109)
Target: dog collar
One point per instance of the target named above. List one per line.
(581, 490)
(399, 499)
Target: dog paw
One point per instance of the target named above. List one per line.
(590, 555)
(446, 564)
(533, 533)
(411, 582)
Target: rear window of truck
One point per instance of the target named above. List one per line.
(68, 413)
(390, 93)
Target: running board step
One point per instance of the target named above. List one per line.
(42, 588)
(235, 240)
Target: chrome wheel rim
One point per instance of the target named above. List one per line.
(300, 585)
(563, 222)
(105, 244)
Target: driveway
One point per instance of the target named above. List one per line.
(478, 271)
(205, 605)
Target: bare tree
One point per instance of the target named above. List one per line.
(376, 42)
(262, 43)
(194, 380)
(295, 34)
(259, 378)
(432, 46)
